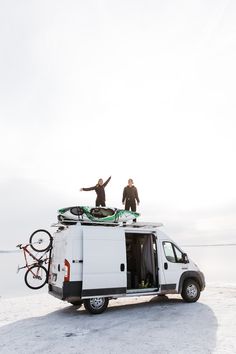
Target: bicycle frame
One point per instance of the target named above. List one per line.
(38, 261)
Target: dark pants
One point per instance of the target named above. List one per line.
(100, 203)
(130, 204)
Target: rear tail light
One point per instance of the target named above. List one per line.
(67, 270)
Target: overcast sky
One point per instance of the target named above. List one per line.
(140, 89)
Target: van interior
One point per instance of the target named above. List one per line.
(141, 257)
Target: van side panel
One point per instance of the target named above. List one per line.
(104, 261)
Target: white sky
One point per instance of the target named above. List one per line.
(140, 89)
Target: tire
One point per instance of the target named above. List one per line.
(40, 240)
(191, 291)
(36, 277)
(96, 305)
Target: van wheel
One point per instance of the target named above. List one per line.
(191, 291)
(96, 305)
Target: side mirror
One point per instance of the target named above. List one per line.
(185, 258)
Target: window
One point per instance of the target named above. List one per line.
(169, 252)
(178, 254)
(172, 253)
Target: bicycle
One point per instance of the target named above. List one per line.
(36, 275)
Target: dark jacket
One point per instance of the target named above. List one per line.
(99, 190)
(131, 194)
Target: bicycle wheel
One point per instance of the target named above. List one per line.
(36, 277)
(40, 240)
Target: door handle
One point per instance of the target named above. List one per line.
(122, 267)
(165, 265)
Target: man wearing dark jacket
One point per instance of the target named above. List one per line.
(130, 196)
(100, 190)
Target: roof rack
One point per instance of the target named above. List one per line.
(134, 225)
(99, 223)
(85, 222)
(144, 225)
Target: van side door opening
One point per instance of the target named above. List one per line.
(141, 256)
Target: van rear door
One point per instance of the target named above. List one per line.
(56, 274)
(104, 261)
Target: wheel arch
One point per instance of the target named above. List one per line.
(197, 276)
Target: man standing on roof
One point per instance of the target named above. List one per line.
(130, 196)
(99, 188)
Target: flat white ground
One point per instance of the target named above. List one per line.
(42, 324)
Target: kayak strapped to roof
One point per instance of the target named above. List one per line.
(98, 214)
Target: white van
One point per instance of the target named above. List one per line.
(92, 263)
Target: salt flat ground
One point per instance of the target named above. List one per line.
(42, 324)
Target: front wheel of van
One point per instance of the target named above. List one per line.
(96, 305)
(190, 291)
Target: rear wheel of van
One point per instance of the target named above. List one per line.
(96, 305)
(191, 291)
